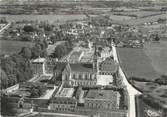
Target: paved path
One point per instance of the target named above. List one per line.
(51, 48)
(5, 27)
(53, 114)
(131, 90)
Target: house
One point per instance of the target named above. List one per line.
(39, 65)
(64, 100)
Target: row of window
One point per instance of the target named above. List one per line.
(100, 105)
(62, 106)
(83, 76)
(105, 73)
(83, 83)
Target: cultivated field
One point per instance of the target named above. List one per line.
(157, 52)
(119, 18)
(10, 47)
(49, 18)
(136, 64)
(140, 21)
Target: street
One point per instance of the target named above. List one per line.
(131, 90)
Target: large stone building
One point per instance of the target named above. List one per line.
(102, 99)
(79, 75)
(108, 67)
(64, 100)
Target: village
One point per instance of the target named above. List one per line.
(92, 67)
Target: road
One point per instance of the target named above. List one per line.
(51, 48)
(52, 114)
(66, 57)
(131, 90)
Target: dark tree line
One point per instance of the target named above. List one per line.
(17, 67)
(62, 50)
(162, 80)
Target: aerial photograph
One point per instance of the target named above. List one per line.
(83, 58)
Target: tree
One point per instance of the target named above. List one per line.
(28, 28)
(34, 92)
(157, 37)
(4, 79)
(15, 69)
(78, 92)
(162, 80)
(37, 89)
(44, 53)
(7, 109)
(26, 52)
(36, 51)
(60, 51)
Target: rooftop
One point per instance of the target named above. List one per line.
(66, 92)
(39, 60)
(78, 67)
(102, 94)
(108, 65)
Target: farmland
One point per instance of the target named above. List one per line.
(140, 21)
(157, 52)
(119, 18)
(139, 14)
(49, 18)
(136, 64)
(10, 47)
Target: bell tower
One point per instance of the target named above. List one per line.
(95, 59)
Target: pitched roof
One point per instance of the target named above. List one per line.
(78, 67)
(109, 65)
(102, 94)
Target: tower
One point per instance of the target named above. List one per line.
(95, 59)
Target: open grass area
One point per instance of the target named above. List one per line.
(157, 52)
(136, 64)
(10, 47)
(145, 110)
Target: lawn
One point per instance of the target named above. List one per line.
(135, 63)
(157, 52)
(10, 47)
(145, 110)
